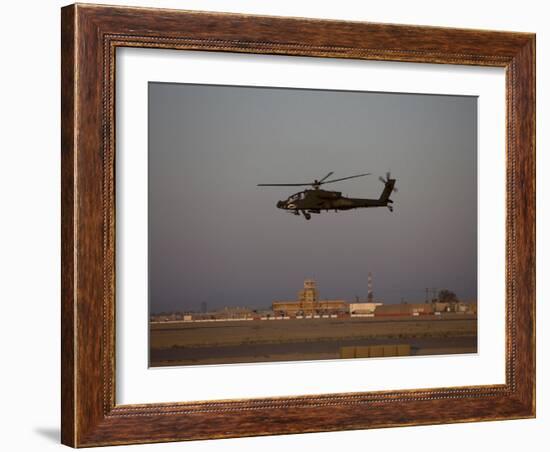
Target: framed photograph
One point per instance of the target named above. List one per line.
(281, 225)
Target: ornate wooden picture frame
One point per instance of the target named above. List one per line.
(90, 37)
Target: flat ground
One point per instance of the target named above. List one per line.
(185, 343)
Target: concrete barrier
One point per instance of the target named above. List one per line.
(375, 351)
(347, 352)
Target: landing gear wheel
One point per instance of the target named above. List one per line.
(307, 216)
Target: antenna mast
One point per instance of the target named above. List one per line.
(370, 296)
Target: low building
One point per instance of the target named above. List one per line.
(468, 307)
(456, 307)
(404, 309)
(294, 308)
(441, 307)
(363, 308)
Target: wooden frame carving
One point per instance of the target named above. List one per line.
(90, 35)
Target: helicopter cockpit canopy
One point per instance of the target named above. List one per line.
(296, 196)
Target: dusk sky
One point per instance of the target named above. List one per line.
(215, 237)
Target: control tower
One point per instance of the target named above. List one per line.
(309, 303)
(309, 292)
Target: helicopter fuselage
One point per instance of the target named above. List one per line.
(326, 200)
(317, 200)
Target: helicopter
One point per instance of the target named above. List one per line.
(315, 200)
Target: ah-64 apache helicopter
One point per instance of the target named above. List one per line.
(315, 200)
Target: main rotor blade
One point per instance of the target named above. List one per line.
(328, 175)
(345, 178)
(284, 185)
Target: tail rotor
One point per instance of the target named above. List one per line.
(389, 188)
(386, 180)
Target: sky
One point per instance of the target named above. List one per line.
(216, 237)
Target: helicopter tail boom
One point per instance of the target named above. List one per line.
(388, 189)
